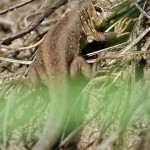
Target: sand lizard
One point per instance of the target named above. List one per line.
(58, 57)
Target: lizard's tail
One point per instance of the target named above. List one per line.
(56, 115)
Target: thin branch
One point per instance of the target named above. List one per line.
(56, 4)
(15, 7)
(24, 62)
(41, 7)
(122, 45)
(141, 10)
(135, 41)
(139, 53)
(14, 48)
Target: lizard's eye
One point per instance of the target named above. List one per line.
(98, 9)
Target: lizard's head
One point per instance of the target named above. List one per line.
(106, 9)
(102, 8)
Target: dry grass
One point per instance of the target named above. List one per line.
(116, 100)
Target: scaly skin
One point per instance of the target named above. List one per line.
(59, 57)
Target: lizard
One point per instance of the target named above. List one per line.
(59, 58)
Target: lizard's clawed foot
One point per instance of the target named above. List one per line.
(80, 64)
(122, 26)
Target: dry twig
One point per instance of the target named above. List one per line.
(141, 10)
(35, 23)
(135, 41)
(14, 48)
(15, 7)
(24, 62)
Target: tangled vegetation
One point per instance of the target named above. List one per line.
(115, 104)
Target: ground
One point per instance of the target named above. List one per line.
(115, 101)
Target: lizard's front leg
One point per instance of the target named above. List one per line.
(119, 31)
